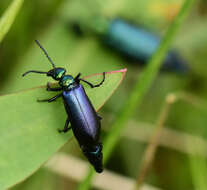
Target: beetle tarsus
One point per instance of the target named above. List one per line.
(66, 128)
(63, 130)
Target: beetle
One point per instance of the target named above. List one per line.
(84, 120)
(133, 42)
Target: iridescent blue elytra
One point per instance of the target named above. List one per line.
(81, 114)
(135, 43)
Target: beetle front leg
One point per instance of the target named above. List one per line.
(66, 128)
(53, 89)
(50, 99)
(97, 85)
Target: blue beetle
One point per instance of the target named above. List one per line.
(81, 114)
(135, 43)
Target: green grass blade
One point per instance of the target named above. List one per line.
(198, 167)
(28, 132)
(7, 19)
(141, 87)
(199, 172)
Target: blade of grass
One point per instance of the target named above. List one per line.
(140, 89)
(198, 168)
(154, 141)
(9, 16)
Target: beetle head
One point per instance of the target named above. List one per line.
(56, 73)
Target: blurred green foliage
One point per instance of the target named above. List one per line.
(47, 21)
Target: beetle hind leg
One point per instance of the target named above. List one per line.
(66, 128)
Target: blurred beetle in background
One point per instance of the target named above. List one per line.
(133, 42)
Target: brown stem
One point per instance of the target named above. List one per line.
(154, 142)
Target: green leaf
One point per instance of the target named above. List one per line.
(8, 18)
(28, 132)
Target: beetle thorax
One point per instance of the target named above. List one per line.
(67, 81)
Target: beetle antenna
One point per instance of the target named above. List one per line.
(45, 52)
(32, 71)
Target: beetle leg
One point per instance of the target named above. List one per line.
(66, 128)
(97, 85)
(99, 117)
(77, 77)
(53, 89)
(50, 99)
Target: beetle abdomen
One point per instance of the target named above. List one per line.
(82, 116)
(95, 156)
